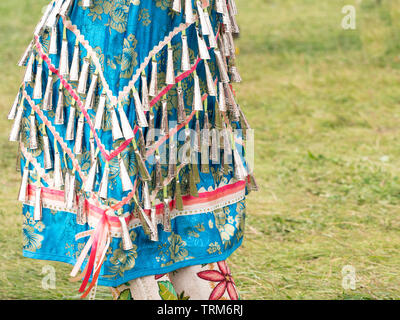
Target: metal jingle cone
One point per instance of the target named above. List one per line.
(81, 216)
(210, 81)
(231, 42)
(13, 110)
(147, 225)
(87, 3)
(74, 72)
(211, 37)
(164, 117)
(83, 76)
(53, 41)
(177, 6)
(47, 103)
(181, 114)
(178, 196)
(116, 129)
(48, 164)
(235, 26)
(226, 143)
(223, 75)
(197, 100)
(67, 180)
(23, 189)
(37, 90)
(185, 61)
(219, 6)
(64, 60)
(221, 44)
(232, 7)
(144, 220)
(235, 76)
(29, 68)
(53, 14)
(187, 147)
(197, 140)
(205, 158)
(158, 183)
(145, 93)
(79, 135)
(203, 23)
(146, 196)
(150, 136)
(91, 177)
(189, 16)
(16, 128)
(91, 92)
(70, 132)
(234, 109)
(37, 213)
(154, 234)
(215, 152)
(33, 134)
(203, 50)
(224, 45)
(221, 97)
(59, 116)
(172, 158)
(217, 117)
(65, 8)
(58, 175)
(240, 170)
(167, 215)
(192, 183)
(126, 238)
(140, 115)
(125, 126)
(225, 17)
(142, 143)
(71, 197)
(253, 183)
(100, 112)
(205, 144)
(153, 90)
(23, 60)
(124, 175)
(103, 189)
(170, 73)
(92, 147)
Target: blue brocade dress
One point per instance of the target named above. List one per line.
(119, 178)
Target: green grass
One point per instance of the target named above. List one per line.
(324, 103)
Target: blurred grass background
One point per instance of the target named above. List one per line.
(324, 105)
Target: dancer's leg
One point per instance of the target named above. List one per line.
(211, 281)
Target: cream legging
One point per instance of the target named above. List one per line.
(211, 281)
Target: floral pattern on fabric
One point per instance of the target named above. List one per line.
(224, 279)
(31, 233)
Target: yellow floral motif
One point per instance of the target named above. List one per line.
(177, 248)
(129, 57)
(173, 251)
(213, 248)
(144, 16)
(117, 11)
(225, 225)
(163, 4)
(123, 260)
(31, 240)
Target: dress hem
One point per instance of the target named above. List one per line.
(142, 273)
